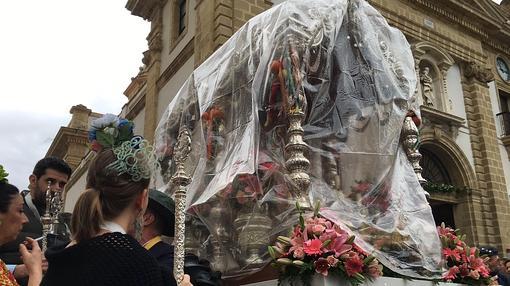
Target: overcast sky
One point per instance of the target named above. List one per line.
(56, 54)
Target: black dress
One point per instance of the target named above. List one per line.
(109, 259)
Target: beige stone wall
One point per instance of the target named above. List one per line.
(217, 20)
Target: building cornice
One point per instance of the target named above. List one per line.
(144, 8)
(137, 83)
(491, 29)
(487, 27)
(65, 136)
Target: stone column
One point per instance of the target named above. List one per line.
(80, 117)
(491, 206)
(152, 59)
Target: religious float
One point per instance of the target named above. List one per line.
(298, 138)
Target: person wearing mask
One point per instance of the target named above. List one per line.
(50, 169)
(12, 219)
(107, 218)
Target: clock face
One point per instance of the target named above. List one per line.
(503, 69)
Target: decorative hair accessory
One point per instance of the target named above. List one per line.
(109, 131)
(3, 175)
(135, 157)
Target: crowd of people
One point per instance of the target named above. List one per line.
(117, 226)
(497, 265)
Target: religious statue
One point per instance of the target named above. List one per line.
(275, 126)
(426, 87)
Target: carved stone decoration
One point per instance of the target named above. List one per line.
(441, 122)
(476, 71)
(410, 140)
(426, 87)
(506, 142)
(180, 179)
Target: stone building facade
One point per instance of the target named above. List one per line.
(462, 57)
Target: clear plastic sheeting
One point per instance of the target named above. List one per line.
(352, 76)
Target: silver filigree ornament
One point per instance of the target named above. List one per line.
(135, 157)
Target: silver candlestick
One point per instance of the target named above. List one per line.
(46, 219)
(180, 179)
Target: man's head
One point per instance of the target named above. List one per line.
(492, 254)
(506, 265)
(50, 169)
(159, 217)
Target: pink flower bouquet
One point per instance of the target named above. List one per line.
(464, 263)
(317, 245)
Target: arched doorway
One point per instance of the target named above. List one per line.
(444, 162)
(435, 172)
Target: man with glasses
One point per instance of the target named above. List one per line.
(49, 170)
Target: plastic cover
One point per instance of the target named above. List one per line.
(358, 79)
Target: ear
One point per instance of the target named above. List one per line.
(33, 182)
(143, 200)
(148, 218)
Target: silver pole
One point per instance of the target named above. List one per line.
(180, 179)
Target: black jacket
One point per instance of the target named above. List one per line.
(109, 259)
(199, 270)
(164, 254)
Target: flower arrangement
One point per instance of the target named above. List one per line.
(317, 245)
(109, 131)
(463, 262)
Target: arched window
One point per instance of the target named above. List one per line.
(433, 170)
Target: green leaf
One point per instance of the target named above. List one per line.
(284, 261)
(283, 239)
(317, 208)
(271, 252)
(302, 222)
(106, 140)
(3, 174)
(368, 259)
(326, 243)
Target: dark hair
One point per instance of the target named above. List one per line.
(107, 195)
(7, 193)
(54, 163)
(488, 251)
(159, 221)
